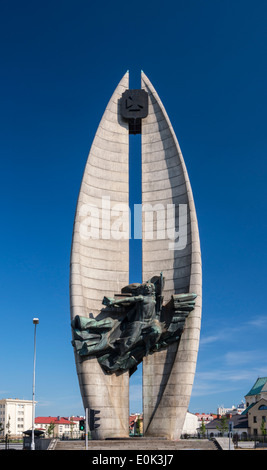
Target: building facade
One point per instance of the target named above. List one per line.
(15, 416)
(221, 410)
(239, 422)
(206, 417)
(135, 424)
(257, 417)
(250, 421)
(190, 425)
(58, 426)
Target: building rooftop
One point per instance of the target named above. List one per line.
(51, 419)
(257, 387)
(239, 422)
(262, 400)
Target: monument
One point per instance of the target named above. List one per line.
(117, 325)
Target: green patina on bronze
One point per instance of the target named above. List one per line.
(132, 325)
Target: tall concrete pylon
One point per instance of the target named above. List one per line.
(168, 375)
(100, 265)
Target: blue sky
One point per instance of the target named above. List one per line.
(60, 63)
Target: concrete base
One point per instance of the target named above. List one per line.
(139, 444)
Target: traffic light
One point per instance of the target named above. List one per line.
(81, 425)
(93, 418)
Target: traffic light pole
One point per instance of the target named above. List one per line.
(86, 429)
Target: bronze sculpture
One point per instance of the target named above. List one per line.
(134, 324)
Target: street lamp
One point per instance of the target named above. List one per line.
(35, 322)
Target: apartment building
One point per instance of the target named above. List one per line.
(15, 416)
(58, 426)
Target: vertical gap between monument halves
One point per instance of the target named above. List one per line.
(135, 251)
(135, 198)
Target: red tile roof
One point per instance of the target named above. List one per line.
(51, 419)
(76, 418)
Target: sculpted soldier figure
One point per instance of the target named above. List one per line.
(135, 325)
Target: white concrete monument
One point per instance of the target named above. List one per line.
(116, 326)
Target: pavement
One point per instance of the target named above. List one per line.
(11, 446)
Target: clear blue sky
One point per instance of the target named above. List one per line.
(60, 63)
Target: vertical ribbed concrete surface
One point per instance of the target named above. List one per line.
(100, 258)
(168, 375)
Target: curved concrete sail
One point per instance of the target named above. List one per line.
(100, 259)
(168, 375)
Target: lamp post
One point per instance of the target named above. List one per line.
(35, 322)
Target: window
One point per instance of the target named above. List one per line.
(254, 419)
(263, 407)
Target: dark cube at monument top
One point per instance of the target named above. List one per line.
(134, 104)
(134, 107)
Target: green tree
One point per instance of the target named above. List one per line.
(138, 426)
(223, 426)
(8, 426)
(51, 428)
(202, 429)
(262, 428)
(71, 426)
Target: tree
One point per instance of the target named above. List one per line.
(138, 426)
(202, 428)
(262, 428)
(8, 425)
(71, 426)
(51, 428)
(223, 427)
